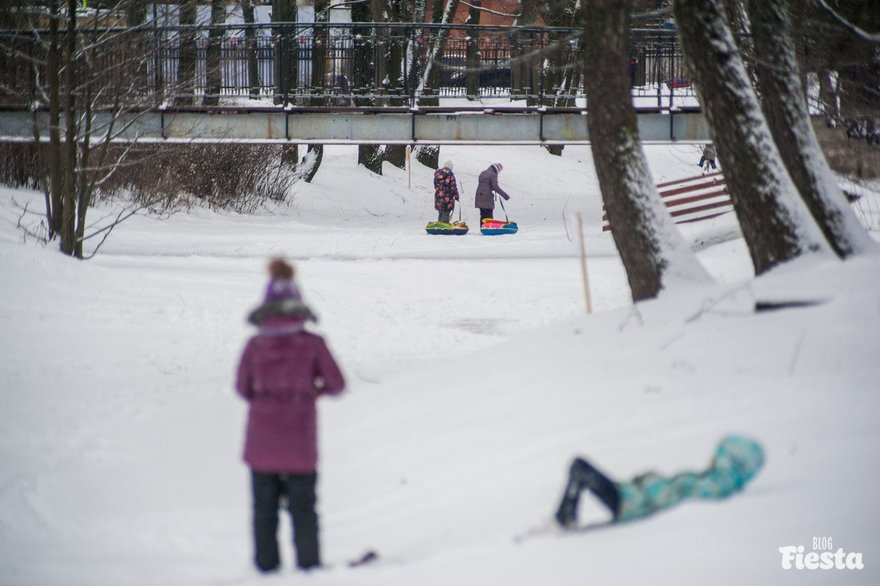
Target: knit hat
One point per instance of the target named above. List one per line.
(497, 167)
(284, 303)
(281, 289)
(281, 285)
(281, 300)
(448, 165)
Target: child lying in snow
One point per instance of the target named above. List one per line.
(737, 460)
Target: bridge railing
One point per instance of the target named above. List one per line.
(326, 64)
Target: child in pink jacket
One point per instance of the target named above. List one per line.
(282, 372)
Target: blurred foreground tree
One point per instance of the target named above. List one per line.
(775, 222)
(653, 252)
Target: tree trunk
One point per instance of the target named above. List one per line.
(186, 63)
(371, 156)
(56, 166)
(652, 251)
(564, 57)
(828, 98)
(399, 73)
(136, 12)
(213, 57)
(858, 65)
(428, 155)
(363, 67)
(472, 54)
(319, 63)
(786, 112)
(521, 70)
(250, 39)
(442, 12)
(290, 155)
(830, 47)
(69, 200)
(364, 74)
(286, 52)
(380, 58)
(82, 198)
(412, 59)
(396, 155)
(83, 187)
(775, 223)
(394, 63)
(314, 165)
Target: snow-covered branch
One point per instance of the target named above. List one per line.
(490, 11)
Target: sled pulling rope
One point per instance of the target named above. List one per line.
(457, 228)
(491, 227)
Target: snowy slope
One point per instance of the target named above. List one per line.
(474, 377)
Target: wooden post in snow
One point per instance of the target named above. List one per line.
(586, 278)
(409, 165)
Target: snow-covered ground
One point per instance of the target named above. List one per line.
(474, 376)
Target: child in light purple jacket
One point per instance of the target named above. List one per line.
(282, 372)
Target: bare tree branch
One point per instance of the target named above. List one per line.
(490, 11)
(870, 37)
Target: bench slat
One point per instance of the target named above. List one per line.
(691, 190)
(708, 185)
(686, 179)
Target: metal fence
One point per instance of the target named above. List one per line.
(336, 64)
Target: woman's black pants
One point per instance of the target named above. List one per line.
(297, 492)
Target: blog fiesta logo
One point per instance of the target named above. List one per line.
(822, 557)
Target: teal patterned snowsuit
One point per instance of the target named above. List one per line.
(737, 460)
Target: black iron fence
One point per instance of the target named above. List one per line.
(327, 64)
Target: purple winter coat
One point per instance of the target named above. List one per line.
(487, 187)
(283, 370)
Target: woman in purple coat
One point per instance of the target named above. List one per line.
(487, 187)
(283, 370)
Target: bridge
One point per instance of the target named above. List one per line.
(338, 83)
(413, 126)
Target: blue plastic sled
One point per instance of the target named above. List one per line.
(506, 228)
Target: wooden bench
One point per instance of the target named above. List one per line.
(691, 199)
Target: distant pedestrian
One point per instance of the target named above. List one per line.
(445, 192)
(344, 87)
(487, 187)
(708, 158)
(633, 69)
(282, 371)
